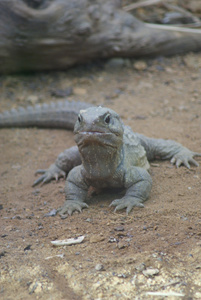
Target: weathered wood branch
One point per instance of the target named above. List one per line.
(65, 33)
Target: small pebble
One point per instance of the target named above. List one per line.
(117, 62)
(80, 91)
(96, 239)
(62, 93)
(27, 248)
(99, 267)
(88, 220)
(52, 213)
(150, 272)
(140, 65)
(36, 192)
(33, 99)
(140, 267)
(120, 228)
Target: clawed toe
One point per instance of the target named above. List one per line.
(126, 202)
(70, 206)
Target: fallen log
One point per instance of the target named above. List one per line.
(59, 34)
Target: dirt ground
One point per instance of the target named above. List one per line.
(154, 252)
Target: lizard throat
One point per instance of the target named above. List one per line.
(100, 153)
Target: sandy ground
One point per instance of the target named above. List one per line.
(152, 253)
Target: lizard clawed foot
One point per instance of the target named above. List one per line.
(70, 206)
(52, 173)
(126, 202)
(185, 157)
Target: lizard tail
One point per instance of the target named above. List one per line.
(62, 114)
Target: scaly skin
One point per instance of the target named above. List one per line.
(108, 155)
(62, 114)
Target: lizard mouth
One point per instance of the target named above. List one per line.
(94, 133)
(85, 138)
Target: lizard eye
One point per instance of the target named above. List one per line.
(107, 119)
(79, 118)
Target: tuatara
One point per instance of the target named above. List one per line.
(108, 153)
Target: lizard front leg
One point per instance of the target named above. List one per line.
(63, 164)
(76, 192)
(168, 149)
(138, 184)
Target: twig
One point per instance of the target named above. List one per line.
(173, 28)
(165, 294)
(182, 10)
(189, 25)
(68, 242)
(142, 4)
(197, 22)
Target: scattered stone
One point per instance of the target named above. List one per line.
(35, 287)
(4, 235)
(197, 295)
(111, 96)
(58, 255)
(150, 272)
(140, 267)
(145, 85)
(155, 165)
(80, 91)
(176, 18)
(85, 80)
(140, 65)
(33, 99)
(160, 68)
(96, 239)
(89, 220)
(130, 260)
(27, 248)
(116, 63)
(62, 93)
(183, 108)
(140, 117)
(63, 217)
(165, 294)
(194, 6)
(192, 61)
(122, 244)
(17, 167)
(169, 70)
(2, 253)
(16, 217)
(36, 192)
(99, 267)
(112, 239)
(52, 213)
(120, 228)
(122, 275)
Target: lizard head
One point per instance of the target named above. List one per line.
(99, 125)
(99, 136)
